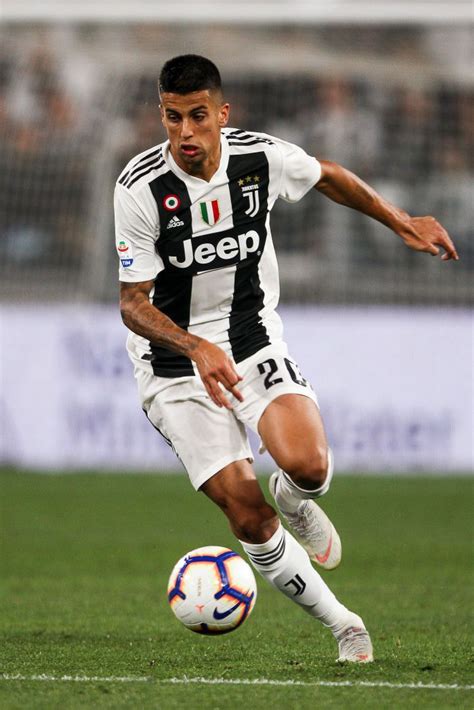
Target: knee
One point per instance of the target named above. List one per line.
(254, 524)
(310, 472)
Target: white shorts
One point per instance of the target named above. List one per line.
(205, 437)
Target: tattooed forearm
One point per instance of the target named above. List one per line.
(160, 330)
(143, 318)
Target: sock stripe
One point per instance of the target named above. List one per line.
(269, 558)
(263, 555)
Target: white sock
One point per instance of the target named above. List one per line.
(289, 496)
(286, 565)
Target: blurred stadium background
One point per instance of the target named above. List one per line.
(386, 90)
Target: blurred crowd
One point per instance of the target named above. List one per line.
(59, 146)
(44, 156)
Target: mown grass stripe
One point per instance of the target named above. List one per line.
(237, 681)
(76, 678)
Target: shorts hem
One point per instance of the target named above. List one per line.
(284, 390)
(216, 467)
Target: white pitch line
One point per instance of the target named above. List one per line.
(236, 681)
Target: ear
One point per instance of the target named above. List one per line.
(162, 114)
(224, 113)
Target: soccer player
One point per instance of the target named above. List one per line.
(199, 289)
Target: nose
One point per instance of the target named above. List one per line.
(186, 129)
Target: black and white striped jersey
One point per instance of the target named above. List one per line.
(207, 245)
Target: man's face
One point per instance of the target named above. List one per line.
(193, 123)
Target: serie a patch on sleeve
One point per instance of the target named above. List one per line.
(125, 252)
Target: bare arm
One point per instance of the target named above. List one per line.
(419, 233)
(214, 366)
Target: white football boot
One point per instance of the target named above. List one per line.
(355, 645)
(312, 527)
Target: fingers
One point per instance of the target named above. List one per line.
(450, 250)
(214, 388)
(435, 237)
(230, 382)
(448, 255)
(218, 371)
(228, 379)
(216, 393)
(443, 240)
(233, 390)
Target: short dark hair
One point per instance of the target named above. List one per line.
(187, 73)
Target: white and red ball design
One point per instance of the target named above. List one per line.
(212, 590)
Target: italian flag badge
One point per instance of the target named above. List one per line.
(210, 211)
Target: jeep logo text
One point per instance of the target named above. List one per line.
(226, 249)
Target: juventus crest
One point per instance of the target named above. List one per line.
(249, 186)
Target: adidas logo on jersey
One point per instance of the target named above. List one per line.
(228, 249)
(175, 222)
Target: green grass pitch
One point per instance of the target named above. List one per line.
(85, 563)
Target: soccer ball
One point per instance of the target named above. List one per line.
(212, 590)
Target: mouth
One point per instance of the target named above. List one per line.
(189, 149)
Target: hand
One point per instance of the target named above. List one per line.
(426, 234)
(216, 369)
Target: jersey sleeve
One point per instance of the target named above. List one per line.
(136, 228)
(299, 173)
